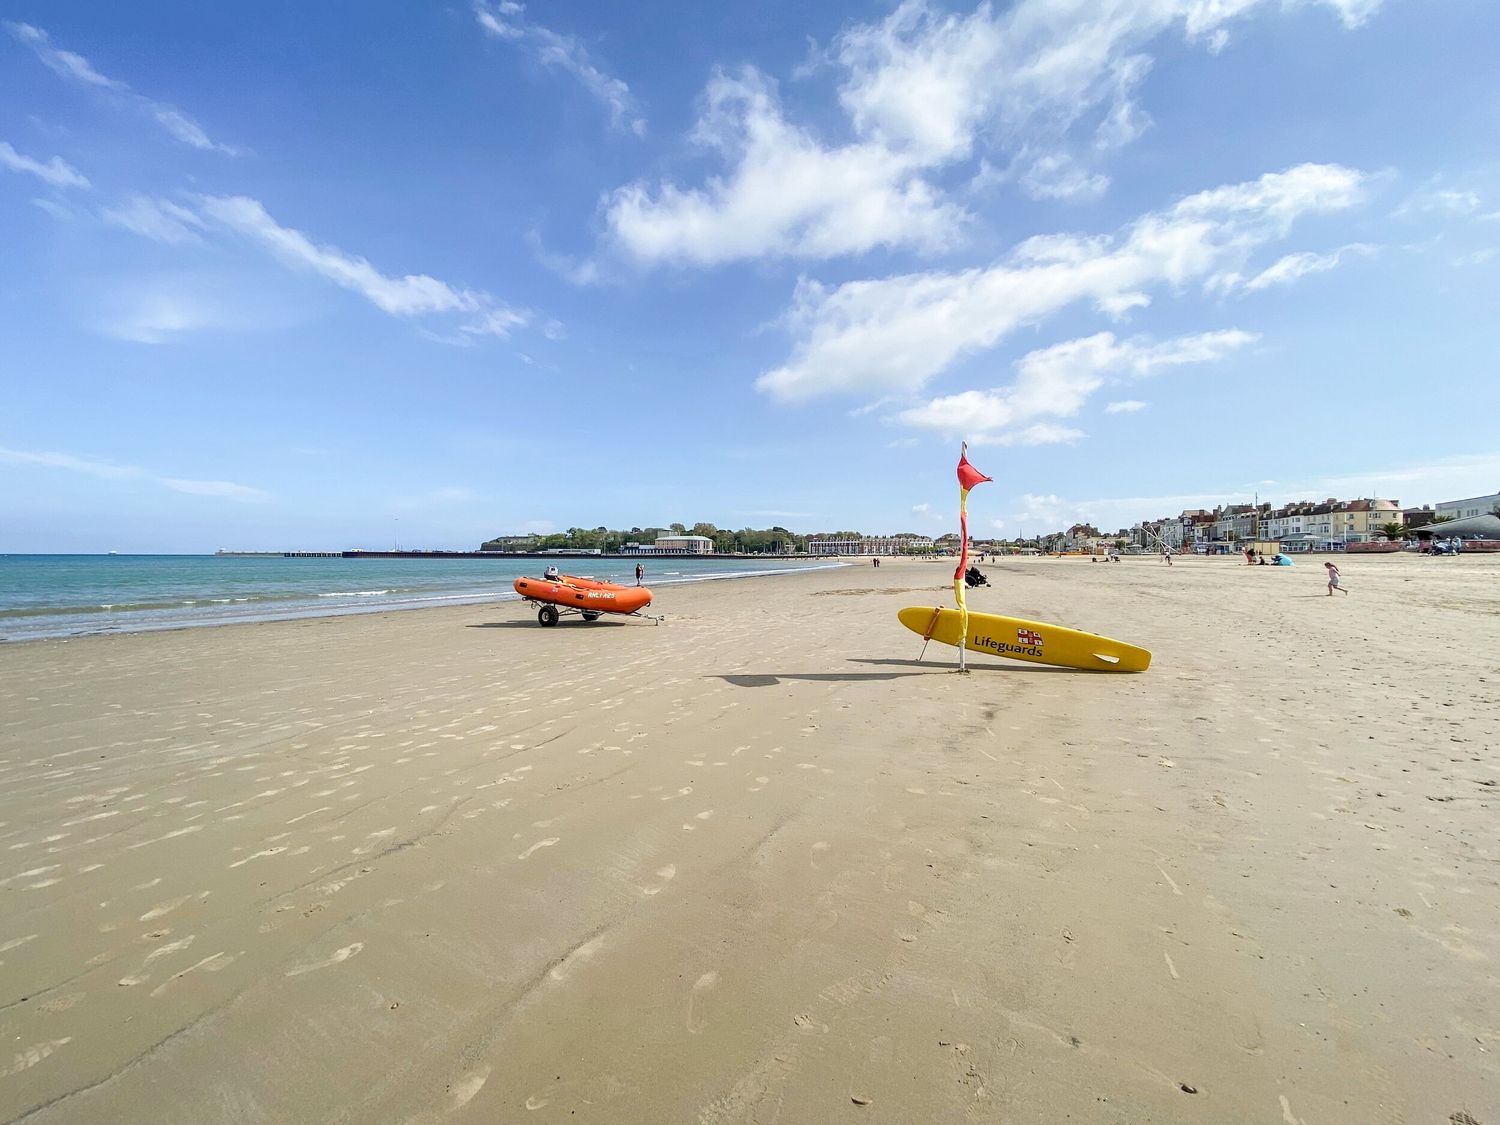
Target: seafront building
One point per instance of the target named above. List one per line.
(1305, 525)
(1327, 525)
(672, 545)
(1470, 507)
(872, 545)
(1297, 527)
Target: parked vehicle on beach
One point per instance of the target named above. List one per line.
(567, 593)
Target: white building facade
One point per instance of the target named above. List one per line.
(1473, 506)
(680, 545)
(871, 545)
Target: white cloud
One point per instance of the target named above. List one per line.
(152, 314)
(57, 171)
(76, 68)
(896, 334)
(228, 490)
(1039, 433)
(158, 219)
(1125, 406)
(1476, 257)
(90, 465)
(1354, 12)
(787, 195)
(1036, 510)
(59, 211)
(412, 295)
(1058, 176)
(926, 513)
(1448, 478)
(1117, 306)
(94, 467)
(507, 21)
(1055, 382)
(64, 63)
(574, 270)
(1289, 268)
(1456, 202)
(1048, 89)
(166, 306)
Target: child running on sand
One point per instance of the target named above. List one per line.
(1333, 580)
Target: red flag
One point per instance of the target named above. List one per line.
(968, 475)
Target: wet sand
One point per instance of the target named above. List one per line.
(759, 865)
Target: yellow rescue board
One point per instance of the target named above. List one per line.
(1033, 641)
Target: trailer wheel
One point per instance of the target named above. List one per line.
(590, 615)
(547, 615)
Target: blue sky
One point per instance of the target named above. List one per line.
(343, 275)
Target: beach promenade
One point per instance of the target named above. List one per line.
(759, 865)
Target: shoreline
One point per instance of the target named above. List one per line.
(313, 612)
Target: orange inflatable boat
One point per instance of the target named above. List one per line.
(567, 593)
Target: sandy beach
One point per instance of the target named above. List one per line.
(759, 865)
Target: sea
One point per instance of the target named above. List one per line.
(44, 596)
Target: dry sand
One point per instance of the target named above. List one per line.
(758, 865)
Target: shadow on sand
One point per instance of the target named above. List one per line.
(949, 664)
(769, 680)
(531, 623)
(919, 668)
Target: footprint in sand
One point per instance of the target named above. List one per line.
(462, 1092)
(210, 964)
(258, 855)
(666, 875)
(547, 843)
(583, 952)
(61, 1003)
(706, 983)
(25, 1060)
(338, 957)
(704, 815)
(140, 975)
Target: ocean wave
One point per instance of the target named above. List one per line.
(223, 607)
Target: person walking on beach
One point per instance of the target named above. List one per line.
(640, 573)
(1333, 580)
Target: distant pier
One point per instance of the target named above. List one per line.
(280, 554)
